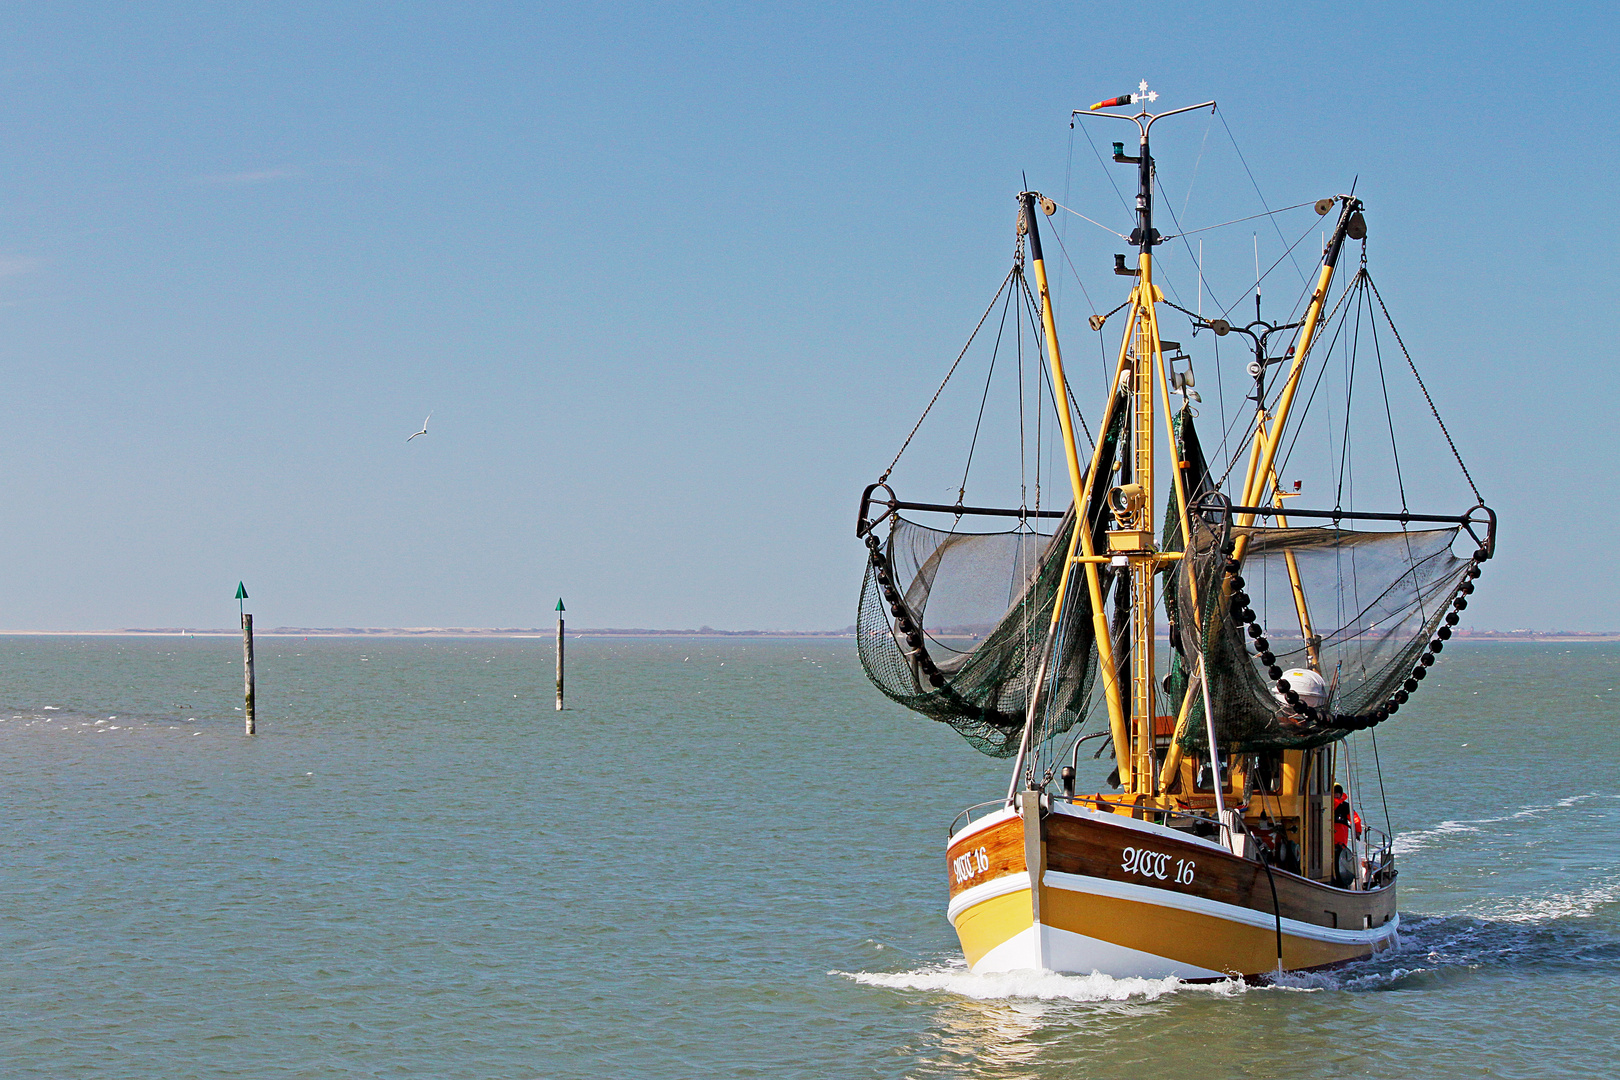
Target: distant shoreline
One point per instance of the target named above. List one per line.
(425, 631)
(1552, 636)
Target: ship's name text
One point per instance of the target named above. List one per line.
(970, 865)
(1158, 865)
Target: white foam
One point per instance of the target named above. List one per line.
(955, 978)
(1408, 842)
(1581, 904)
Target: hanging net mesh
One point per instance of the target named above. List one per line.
(1372, 599)
(953, 624)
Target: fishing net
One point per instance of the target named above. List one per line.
(1373, 601)
(953, 624)
(1196, 482)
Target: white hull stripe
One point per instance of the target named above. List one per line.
(986, 890)
(1124, 890)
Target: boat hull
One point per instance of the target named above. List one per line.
(1131, 899)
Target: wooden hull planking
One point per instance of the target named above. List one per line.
(1132, 899)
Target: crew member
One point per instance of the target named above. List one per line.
(1343, 861)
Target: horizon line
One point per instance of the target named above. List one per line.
(529, 632)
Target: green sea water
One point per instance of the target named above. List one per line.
(724, 859)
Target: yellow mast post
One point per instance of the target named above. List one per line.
(1144, 560)
(1144, 565)
(1081, 484)
(1264, 453)
(1301, 607)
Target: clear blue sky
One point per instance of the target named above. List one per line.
(675, 280)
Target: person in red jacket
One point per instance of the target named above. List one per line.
(1343, 819)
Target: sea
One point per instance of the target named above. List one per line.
(724, 858)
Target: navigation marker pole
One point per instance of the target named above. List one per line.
(247, 658)
(560, 610)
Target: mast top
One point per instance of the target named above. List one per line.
(1142, 97)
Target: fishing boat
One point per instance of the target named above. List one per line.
(1234, 653)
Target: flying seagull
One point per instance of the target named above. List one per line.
(424, 427)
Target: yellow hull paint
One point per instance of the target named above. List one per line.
(1192, 938)
(991, 922)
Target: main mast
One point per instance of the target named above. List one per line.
(1131, 546)
(1143, 381)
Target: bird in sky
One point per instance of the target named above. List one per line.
(424, 427)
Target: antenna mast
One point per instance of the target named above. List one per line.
(1139, 379)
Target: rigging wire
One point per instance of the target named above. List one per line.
(1277, 388)
(1203, 284)
(1234, 221)
(1389, 413)
(1209, 125)
(947, 378)
(1220, 392)
(1389, 827)
(1094, 221)
(1023, 454)
(1261, 279)
(1068, 171)
(1117, 193)
(1077, 279)
(1349, 399)
(1466, 475)
(961, 492)
(1256, 184)
(1037, 330)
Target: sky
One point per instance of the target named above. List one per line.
(674, 281)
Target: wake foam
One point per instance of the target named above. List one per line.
(1580, 904)
(1417, 839)
(955, 978)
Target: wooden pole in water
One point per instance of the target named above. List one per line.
(560, 610)
(247, 661)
